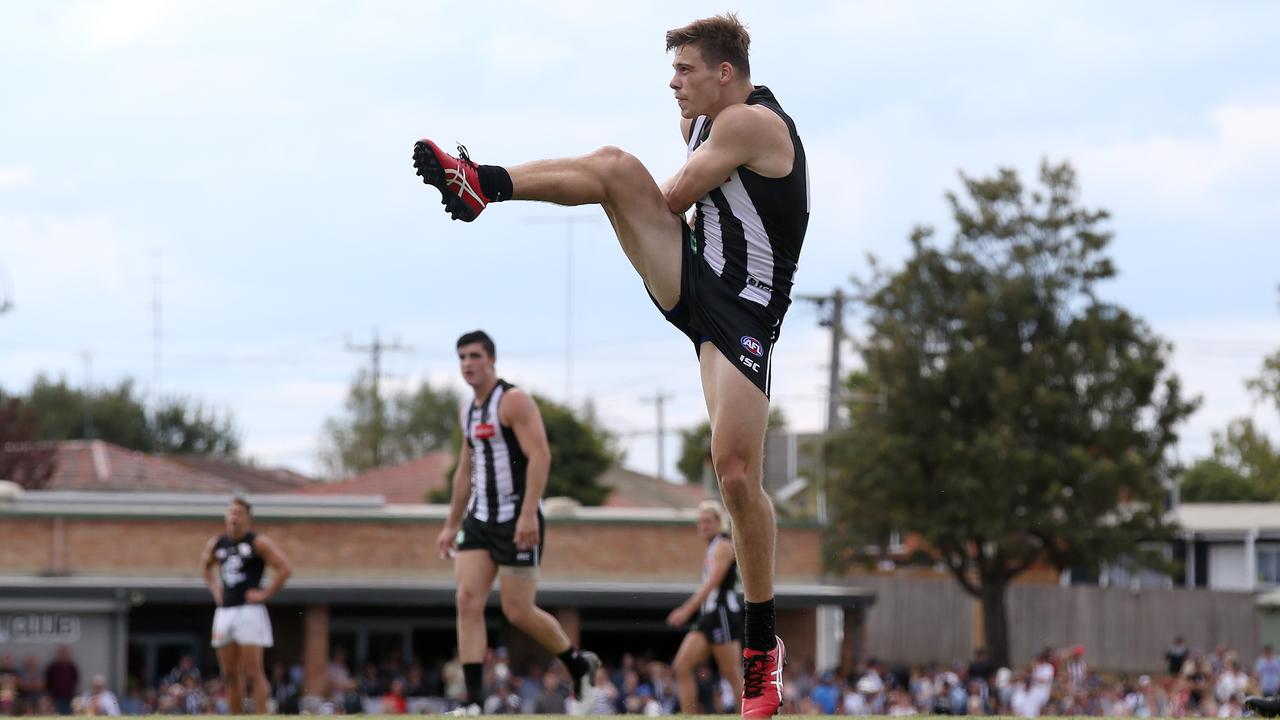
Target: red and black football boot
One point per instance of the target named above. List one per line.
(455, 177)
(762, 681)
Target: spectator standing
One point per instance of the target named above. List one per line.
(338, 673)
(1231, 682)
(1267, 668)
(61, 680)
(551, 701)
(1076, 670)
(981, 667)
(30, 685)
(178, 675)
(1176, 655)
(825, 694)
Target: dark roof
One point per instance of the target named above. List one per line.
(100, 465)
(248, 478)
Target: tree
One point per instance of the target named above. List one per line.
(178, 425)
(1244, 467)
(581, 451)
(181, 426)
(695, 445)
(1027, 420)
(23, 459)
(370, 436)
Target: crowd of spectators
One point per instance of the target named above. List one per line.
(1056, 682)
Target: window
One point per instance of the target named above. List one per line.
(1268, 563)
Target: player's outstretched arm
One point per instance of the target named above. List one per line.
(279, 564)
(525, 421)
(206, 569)
(721, 562)
(447, 541)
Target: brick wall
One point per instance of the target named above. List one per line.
(376, 548)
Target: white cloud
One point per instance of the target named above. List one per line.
(14, 177)
(1188, 168)
(51, 255)
(521, 53)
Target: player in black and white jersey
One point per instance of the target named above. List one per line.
(724, 279)
(716, 610)
(241, 628)
(495, 526)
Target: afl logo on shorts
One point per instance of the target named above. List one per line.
(752, 345)
(484, 431)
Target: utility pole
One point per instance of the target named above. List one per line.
(87, 357)
(156, 279)
(6, 294)
(569, 221)
(835, 321)
(659, 400)
(375, 350)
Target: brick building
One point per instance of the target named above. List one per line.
(116, 574)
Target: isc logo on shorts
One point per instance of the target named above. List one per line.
(753, 346)
(484, 431)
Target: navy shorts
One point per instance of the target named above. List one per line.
(500, 540)
(708, 310)
(720, 626)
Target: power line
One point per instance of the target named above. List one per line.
(375, 350)
(569, 221)
(659, 399)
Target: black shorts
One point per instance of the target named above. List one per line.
(709, 310)
(500, 540)
(720, 626)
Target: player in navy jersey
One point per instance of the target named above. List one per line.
(241, 628)
(495, 526)
(723, 278)
(716, 610)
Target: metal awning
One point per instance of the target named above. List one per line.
(377, 591)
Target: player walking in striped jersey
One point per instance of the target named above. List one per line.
(502, 473)
(717, 630)
(724, 278)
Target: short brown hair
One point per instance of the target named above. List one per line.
(482, 337)
(243, 502)
(722, 38)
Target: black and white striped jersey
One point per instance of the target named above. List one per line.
(726, 594)
(498, 463)
(751, 227)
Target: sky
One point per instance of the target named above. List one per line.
(247, 164)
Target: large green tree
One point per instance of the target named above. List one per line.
(377, 430)
(1026, 419)
(581, 451)
(119, 415)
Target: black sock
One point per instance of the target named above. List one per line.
(474, 674)
(758, 626)
(573, 661)
(495, 182)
